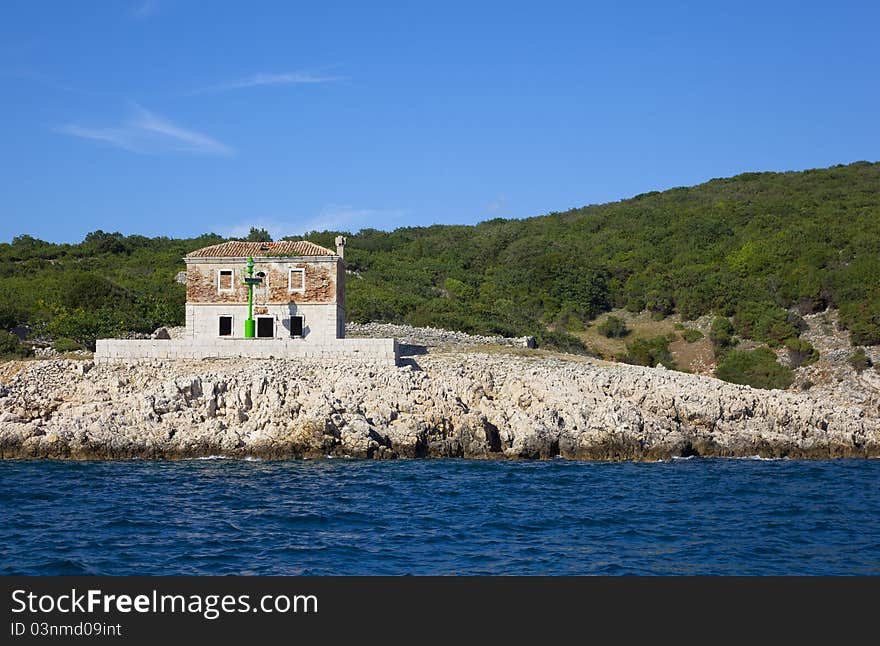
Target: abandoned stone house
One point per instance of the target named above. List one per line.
(301, 294)
(298, 308)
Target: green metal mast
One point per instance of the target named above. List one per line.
(249, 322)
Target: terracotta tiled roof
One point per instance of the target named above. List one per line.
(238, 249)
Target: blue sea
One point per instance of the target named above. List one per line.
(314, 517)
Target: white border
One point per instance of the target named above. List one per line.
(290, 288)
(231, 329)
(232, 288)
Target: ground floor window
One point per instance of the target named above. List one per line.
(296, 326)
(265, 327)
(225, 326)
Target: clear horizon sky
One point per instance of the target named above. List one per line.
(177, 117)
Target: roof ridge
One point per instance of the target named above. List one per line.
(242, 248)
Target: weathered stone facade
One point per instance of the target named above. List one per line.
(299, 307)
(320, 281)
(308, 287)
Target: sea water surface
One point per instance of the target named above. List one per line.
(697, 516)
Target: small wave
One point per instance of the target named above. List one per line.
(210, 457)
(757, 458)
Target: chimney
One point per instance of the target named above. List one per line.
(340, 246)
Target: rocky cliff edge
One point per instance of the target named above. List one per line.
(477, 404)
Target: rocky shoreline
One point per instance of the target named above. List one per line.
(505, 404)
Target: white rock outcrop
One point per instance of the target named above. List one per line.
(467, 404)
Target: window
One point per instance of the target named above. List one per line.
(296, 326)
(224, 280)
(225, 326)
(265, 327)
(296, 281)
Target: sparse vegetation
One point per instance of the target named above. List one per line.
(859, 360)
(66, 345)
(801, 352)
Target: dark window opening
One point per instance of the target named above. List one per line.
(296, 326)
(225, 326)
(265, 327)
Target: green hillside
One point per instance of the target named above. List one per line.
(750, 247)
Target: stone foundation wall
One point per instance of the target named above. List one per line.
(380, 351)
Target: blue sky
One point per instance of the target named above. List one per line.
(177, 117)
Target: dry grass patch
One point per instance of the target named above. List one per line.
(694, 357)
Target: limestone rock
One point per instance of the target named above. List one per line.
(454, 404)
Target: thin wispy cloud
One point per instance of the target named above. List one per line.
(497, 205)
(146, 132)
(118, 137)
(258, 80)
(332, 217)
(145, 9)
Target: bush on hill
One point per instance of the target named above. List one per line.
(757, 368)
(12, 348)
(613, 327)
(649, 352)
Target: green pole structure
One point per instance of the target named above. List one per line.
(249, 322)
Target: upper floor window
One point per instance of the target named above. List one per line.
(296, 281)
(225, 280)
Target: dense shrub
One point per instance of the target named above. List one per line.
(757, 368)
(12, 348)
(649, 352)
(613, 327)
(568, 320)
(635, 304)
(863, 321)
(564, 343)
(721, 334)
(767, 323)
(66, 345)
(691, 335)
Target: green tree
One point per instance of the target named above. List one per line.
(258, 235)
(721, 334)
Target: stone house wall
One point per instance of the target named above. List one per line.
(317, 295)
